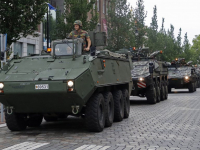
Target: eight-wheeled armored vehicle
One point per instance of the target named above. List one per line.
(149, 76)
(181, 75)
(95, 86)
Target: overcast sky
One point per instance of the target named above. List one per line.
(183, 14)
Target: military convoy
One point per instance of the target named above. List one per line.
(95, 85)
(182, 75)
(149, 76)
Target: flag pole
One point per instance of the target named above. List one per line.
(48, 28)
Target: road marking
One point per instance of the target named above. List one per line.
(92, 147)
(2, 125)
(26, 145)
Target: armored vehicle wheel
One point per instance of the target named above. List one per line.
(109, 109)
(158, 93)
(162, 91)
(195, 86)
(197, 83)
(34, 120)
(95, 113)
(126, 103)
(118, 105)
(50, 118)
(151, 95)
(191, 87)
(16, 122)
(166, 89)
(169, 89)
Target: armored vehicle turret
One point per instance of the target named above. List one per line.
(149, 76)
(95, 86)
(182, 75)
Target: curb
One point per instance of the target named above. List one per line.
(2, 125)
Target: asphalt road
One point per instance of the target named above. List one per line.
(171, 124)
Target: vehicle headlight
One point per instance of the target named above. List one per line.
(70, 83)
(186, 77)
(141, 79)
(1, 85)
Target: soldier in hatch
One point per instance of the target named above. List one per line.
(79, 33)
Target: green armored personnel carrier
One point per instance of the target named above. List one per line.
(96, 86)
(182, 75)
(149, 76)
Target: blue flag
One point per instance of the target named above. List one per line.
(51, 7)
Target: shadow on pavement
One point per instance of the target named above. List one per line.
(139, 102)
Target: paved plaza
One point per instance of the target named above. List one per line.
(169, 125)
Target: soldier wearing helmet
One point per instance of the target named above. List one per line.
(79, 33)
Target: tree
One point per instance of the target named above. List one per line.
(179, 46)
(195, 49)
(19, 18)
(152, 31)
(140, 16)
(120, 23)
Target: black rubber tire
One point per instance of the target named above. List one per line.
(195, 86)
(34, 120)
(199, 83)
(109, 109)
(162, 91)
(118, 105)
(169, 89)
(158, 93)
(50, 118)
(95, 113)
(191, 87)
(16, 122)
(166, 90)
(151, 95)
(126, 103)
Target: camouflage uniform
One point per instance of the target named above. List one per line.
(80, 34)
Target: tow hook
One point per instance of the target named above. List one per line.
(9, 110)
(75, 110)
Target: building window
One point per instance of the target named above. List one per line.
(104, 6)
(107, 3)
(97, 5)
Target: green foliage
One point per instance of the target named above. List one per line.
(120, 23)
(140, 16)
(20, 17)
(192, 53)
(153, 31)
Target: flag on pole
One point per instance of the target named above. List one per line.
(51, 7)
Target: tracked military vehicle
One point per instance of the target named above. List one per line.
(149, 76)
(95, 86)
(182, 75)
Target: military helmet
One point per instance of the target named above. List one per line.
(78, 22)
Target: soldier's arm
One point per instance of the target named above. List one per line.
(70, 35)
(88, 41)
